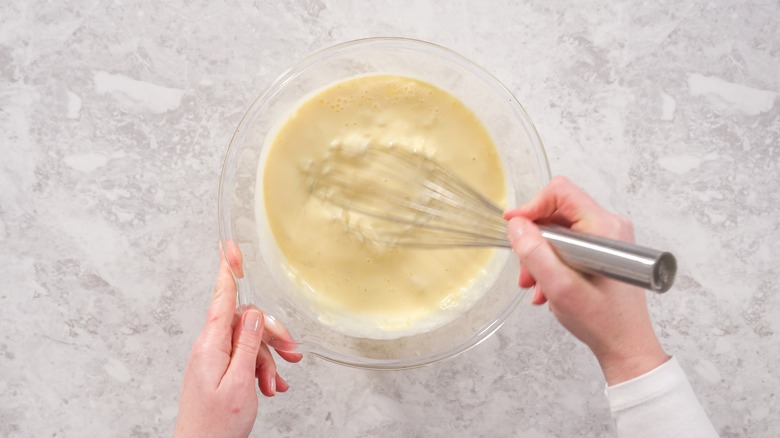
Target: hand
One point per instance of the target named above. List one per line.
(611, 318)
(218, 396)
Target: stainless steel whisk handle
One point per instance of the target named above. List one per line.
(644, 267)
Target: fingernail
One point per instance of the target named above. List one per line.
(517, 227)
(252, 320)
(273, 385)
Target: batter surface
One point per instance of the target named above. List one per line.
(394, 291)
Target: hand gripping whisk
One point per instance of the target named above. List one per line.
(407, 199)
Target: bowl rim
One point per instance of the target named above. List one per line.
(245, 298)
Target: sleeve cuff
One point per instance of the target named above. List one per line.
(665, 378)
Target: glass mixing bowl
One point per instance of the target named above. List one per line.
(265, 282)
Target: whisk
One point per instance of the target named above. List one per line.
(407, 199)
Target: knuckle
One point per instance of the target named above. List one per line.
(248, 343)
(212, 316)
(214, 322)
(564, 283)
(529, 245)
(265, 360)
(623, 221)
(268, 365)
(622, 227)
(560, 181)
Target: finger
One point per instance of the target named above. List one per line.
(538, 298)
(220, 315)
(235, 258)
(526, 280)
(247, 341)
(281, 384)
(561, 198)
(556, 219)
(265, 370)
(538, 257)
(278, 337)
(289, 356)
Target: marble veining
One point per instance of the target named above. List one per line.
(114, 119)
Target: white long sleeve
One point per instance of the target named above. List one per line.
(659, 403)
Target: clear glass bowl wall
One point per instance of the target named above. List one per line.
(264, 283)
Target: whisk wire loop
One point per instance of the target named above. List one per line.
(415, 200)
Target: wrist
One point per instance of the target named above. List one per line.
(627, 363)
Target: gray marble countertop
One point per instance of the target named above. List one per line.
(115, 117)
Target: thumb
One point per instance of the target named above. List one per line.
(539, 259)
(246, 344)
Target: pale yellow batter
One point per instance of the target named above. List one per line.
(393, 289)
